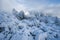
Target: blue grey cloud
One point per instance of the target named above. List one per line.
(46, 6)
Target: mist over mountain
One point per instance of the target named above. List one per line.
(29, 19)
(46, 6)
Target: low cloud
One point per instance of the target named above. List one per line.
(46, 6)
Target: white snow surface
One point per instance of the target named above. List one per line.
(36, 26)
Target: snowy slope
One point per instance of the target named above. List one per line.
(36, 26)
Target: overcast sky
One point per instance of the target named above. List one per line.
(46, 6)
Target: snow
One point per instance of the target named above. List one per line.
(41, 36)
(34, 26)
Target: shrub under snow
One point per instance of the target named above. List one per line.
(17, 26)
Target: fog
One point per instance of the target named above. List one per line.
(49, 7)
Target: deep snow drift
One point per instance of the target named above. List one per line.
(35, 26)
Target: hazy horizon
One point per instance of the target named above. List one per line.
(46, 6)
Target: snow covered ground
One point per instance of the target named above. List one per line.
(35, 26)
